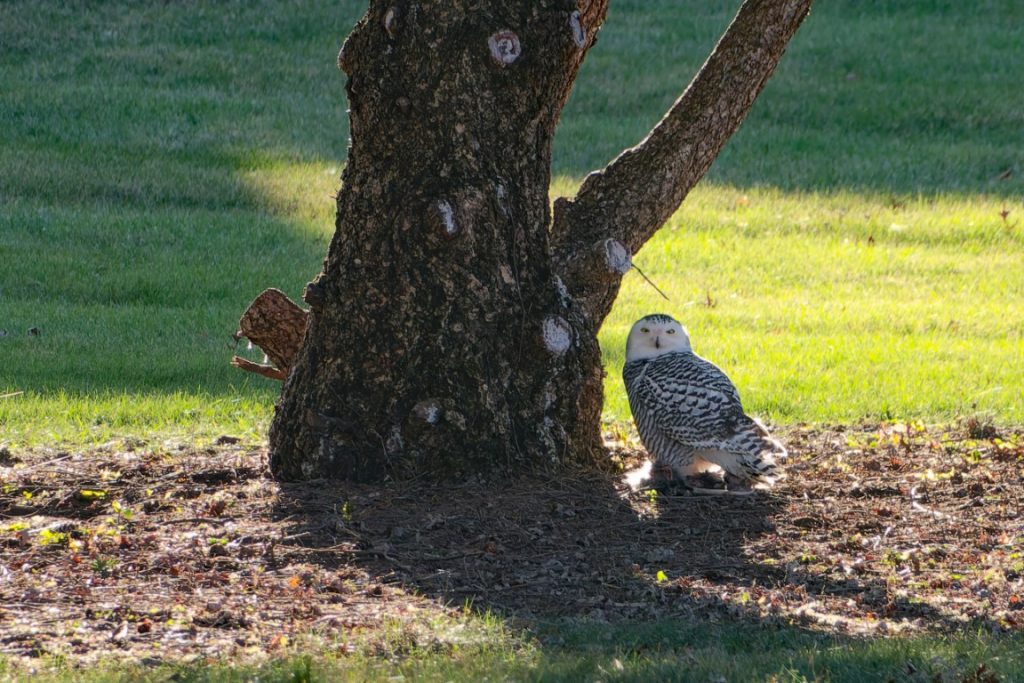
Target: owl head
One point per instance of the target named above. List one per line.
(654, 335)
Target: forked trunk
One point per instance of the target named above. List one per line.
(453, 328)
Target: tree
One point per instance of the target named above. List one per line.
(453, 328)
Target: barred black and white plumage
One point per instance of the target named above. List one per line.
(688, 412)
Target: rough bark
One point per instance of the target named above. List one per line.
(453, 329)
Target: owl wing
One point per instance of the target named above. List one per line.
(690, 399)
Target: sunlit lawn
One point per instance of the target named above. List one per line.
(485, 650)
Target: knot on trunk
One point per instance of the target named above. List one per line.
(343, 64)
(557, 334)
(592, 274)
(442, 219)
(505, 47)
(579, 34)
(391, 21)
(429, 410)
(613, 256)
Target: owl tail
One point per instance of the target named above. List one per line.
(757, 453)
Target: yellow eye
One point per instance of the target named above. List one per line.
(670, 331)
(644, 330)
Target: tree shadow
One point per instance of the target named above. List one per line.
(585, 547)
(535, 548)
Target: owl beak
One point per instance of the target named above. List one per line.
(657, 342)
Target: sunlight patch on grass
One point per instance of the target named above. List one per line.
(838, 307)
(36, 419)
(483, 648)
(302, 192)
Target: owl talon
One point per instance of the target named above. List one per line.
(704, 480)
(664, 480)
(738, 485)
(660, 472)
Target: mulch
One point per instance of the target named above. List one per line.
(172, 553)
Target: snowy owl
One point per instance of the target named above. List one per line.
(688, 413)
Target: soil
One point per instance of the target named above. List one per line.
(168, 553)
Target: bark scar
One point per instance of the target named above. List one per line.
(505, 47)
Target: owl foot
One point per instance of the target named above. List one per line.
(706, 484)
(738, 485)
(714, 484)
(663, 479)
(704, 481)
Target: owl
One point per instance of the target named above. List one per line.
(689, 416)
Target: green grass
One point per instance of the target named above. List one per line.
(484, 650)
(161, 163)
(839, 307)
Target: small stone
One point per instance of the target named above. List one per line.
(806, 522)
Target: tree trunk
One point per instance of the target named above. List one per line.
(453, 328)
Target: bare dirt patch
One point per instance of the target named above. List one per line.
(157, 553)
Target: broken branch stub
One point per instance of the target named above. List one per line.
(505, 47)
(268, 371)
(277, 325)
(557, 335)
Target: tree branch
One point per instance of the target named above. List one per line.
(632, 197)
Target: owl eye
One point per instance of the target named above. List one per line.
(670, 331)
(644, 330)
